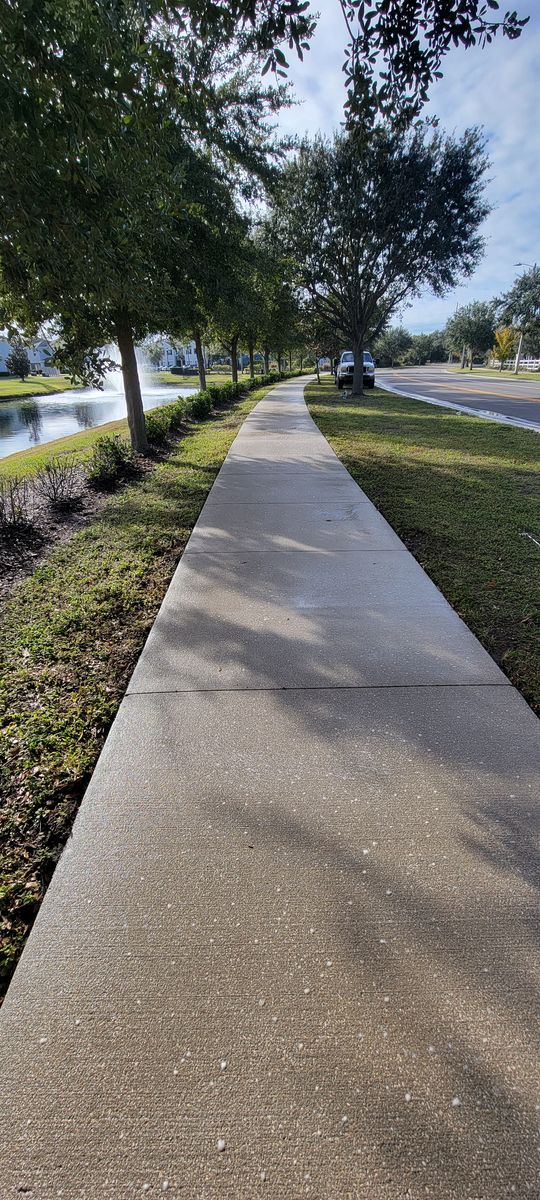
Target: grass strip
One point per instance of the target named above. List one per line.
(25, 463)
(34, 385)
(461, 492)
(71, 635)
(494, 373)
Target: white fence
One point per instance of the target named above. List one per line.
(525, 364)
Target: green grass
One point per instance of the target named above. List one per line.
(78, 445)
(71, 635)
(490, 373)
(35, 385)
(460, 491)
(191, 379)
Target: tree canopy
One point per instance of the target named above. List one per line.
(18, 361)
(396, 49)
(521, 307)
(370, 225)
(112, 205)
(471, 328)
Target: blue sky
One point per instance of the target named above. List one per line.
(497, 87)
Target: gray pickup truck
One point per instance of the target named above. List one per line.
(345, 368)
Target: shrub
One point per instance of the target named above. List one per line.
(60, 481)
(158, 428)
(112, 460)
(200, 406)
(177, 414)
(15, 504)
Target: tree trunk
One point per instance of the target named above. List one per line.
(132, 387)
(234, 359)
(301, 362)
(200, 359)
(290, 361)
(266, 355)
(463, 356)
(471, 358)
(251, 351)
(358, 372)
(279, 361)
(317, 368)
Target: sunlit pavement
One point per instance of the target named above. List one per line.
(291, 948)
(516, 400)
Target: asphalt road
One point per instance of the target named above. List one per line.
(514, 399)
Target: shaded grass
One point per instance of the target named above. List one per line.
(34, 385)
(461, 492)
(71, 635)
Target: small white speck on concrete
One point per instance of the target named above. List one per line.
(221, 1145)
(146, 1187)
(223, 1065)
(165, 1185)
(264, 1176)
(456, 1102)
(408, 1096)
(42, 1041)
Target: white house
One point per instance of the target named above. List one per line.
(39, 353)
(183, 355)
(4, 351)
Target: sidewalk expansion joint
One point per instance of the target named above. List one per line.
(325, 687)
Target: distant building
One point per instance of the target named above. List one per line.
(40, 353)
(183, 355)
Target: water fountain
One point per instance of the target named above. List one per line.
(63, 413)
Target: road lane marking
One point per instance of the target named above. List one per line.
(457, 407)
(465, 391)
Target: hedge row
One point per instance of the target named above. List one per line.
(162, 423)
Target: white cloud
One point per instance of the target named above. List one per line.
(495, 87)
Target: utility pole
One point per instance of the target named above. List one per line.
(518, 355)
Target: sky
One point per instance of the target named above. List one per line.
(498, 88)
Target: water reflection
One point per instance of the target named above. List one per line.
(34, 420)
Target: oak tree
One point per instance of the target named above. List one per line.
(371, 224)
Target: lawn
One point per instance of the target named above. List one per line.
(461, 492)
(35, 385)
(78, 445)
(71, 635)
(490, 373)
(191, 379)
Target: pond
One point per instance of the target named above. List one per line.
(32, 420)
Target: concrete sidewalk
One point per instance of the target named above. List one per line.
(291, 947)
